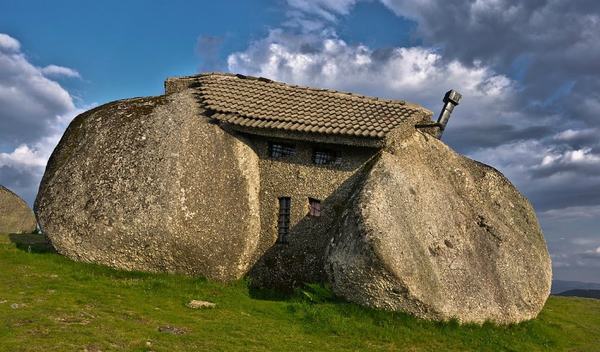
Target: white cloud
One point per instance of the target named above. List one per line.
(57, 71)
(419, 74)
(30, 102)
(578, 136)
(23, 156)
(583, 162)
(8, 43)
(578, 156)
(34, 111)
(571, 134)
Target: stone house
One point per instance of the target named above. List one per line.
(228, 176)
(311, 145)
(310, 141)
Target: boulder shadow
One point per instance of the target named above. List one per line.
(32, 243)
(298, 266)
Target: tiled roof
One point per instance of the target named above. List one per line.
(264, 104)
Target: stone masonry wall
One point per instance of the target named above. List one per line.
(299, 178)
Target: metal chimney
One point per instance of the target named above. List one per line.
(451, 99)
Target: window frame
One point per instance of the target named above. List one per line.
(284, 150)
(315, 207)
(284, 218)
(332, 157)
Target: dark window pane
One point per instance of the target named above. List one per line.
(326, 157)
(314, 207)
(279, 150)
(283, 223)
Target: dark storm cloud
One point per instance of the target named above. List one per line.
(568, 194)
(551, 47)
(581, 169)
(21, 181)
(557, 32)
(466, 138)
(558, 38)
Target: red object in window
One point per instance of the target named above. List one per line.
(314, 207)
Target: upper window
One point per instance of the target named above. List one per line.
(326, 157)
(314, 207)
(280, 150)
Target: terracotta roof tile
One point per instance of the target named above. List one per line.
(261, 103)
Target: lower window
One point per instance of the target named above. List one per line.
(283, 224)
(314, 207)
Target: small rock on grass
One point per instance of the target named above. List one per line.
(194, 304)
(172, 330)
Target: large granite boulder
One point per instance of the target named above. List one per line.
(138, 184)
(15, 214)
(440, 236)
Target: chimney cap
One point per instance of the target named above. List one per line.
(452, 96)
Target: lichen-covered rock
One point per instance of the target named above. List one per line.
(15, 214)
(139, 184)
(440, 236)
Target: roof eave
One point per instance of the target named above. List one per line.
(368, 142)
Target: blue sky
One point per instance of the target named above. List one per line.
(529, 73)
(127, 48)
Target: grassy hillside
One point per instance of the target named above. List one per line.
(49, 303)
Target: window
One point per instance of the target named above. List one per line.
(326, 157)
(314, 207)
(280, 150)
(283, 225)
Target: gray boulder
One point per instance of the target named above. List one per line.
(15, 214)
(440, 236)
(138, 184)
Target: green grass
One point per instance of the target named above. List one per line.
(68, 306)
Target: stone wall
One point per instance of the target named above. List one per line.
(179, 84)
(297, 177)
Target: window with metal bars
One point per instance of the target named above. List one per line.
(314, 207)
(280, 150)
(326, 157)
(283, 224)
